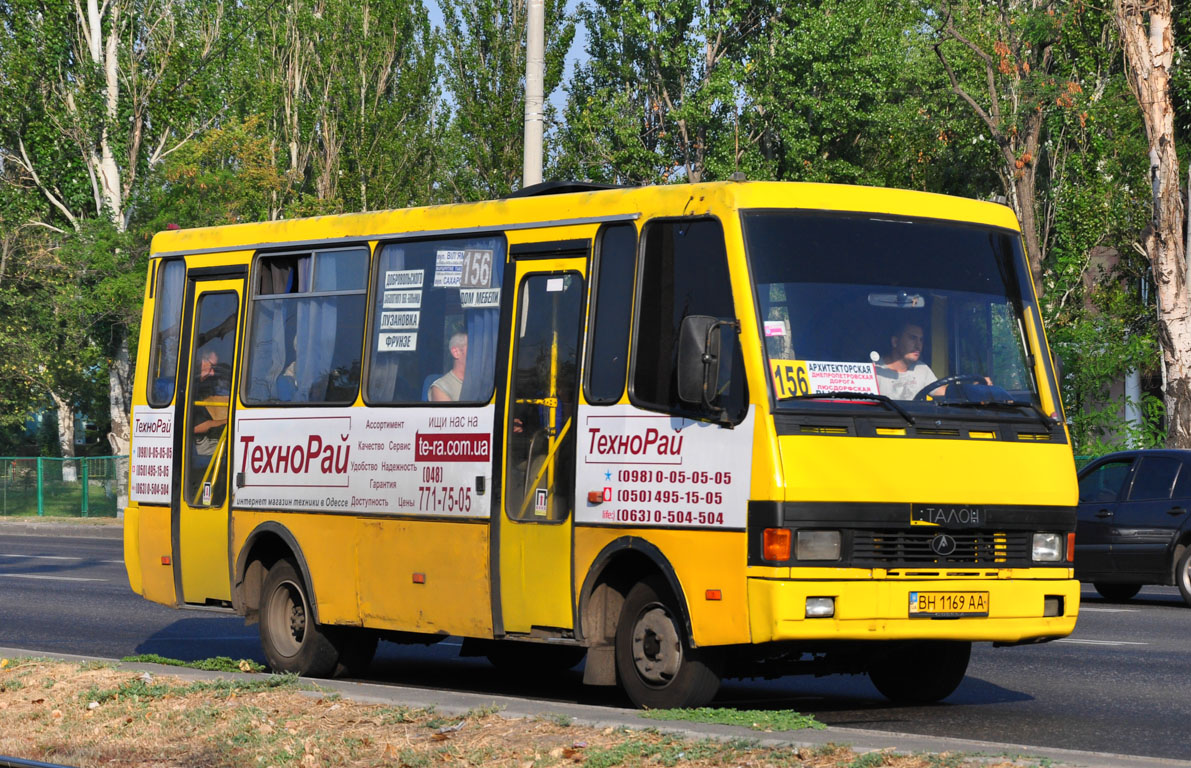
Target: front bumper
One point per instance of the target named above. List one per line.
(878, 609)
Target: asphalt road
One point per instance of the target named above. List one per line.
(1117, 685)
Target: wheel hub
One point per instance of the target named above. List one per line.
(297, 621)
(657, 649)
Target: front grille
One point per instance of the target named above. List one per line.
(897, 549)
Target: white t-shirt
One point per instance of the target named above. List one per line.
(450, 384)
(903, 385)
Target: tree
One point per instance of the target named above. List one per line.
(849, 91)
(483, 49)
(656, 99)
(1146, 31)
(346, 93)
(1007, 78)
(108, 90)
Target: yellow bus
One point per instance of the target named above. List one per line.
(679, 432)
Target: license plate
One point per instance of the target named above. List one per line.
(933, 605)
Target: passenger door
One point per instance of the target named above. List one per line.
(1099, 492)
(1144, 525)
(201, 517)
(538, 496)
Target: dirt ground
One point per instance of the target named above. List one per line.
(95, 714)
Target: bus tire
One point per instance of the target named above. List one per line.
(290, 638)
(655, 664)
(1116, 593)
(921, 672)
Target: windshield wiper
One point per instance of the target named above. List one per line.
(1046, 421)
(883, 399)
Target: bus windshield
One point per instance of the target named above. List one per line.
(925, 315)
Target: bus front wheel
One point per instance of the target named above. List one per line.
(656, 665)
(921, 672)
(291, 640)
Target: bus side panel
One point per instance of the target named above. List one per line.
(327, 545)
(147, 530)
(425, 576)
(132, 548)
(362, 571)
(702, 560)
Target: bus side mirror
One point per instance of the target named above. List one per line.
(699, 359)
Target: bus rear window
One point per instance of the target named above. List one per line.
(167, 326)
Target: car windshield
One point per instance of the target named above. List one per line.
(887, 307)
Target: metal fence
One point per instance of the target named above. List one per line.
(51, 487)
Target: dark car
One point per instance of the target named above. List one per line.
(1134, 525)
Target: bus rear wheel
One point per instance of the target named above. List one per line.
(921, 672)
(657, 667)
(290, 638)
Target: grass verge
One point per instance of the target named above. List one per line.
(89, 715)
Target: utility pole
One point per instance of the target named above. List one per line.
(535, 66)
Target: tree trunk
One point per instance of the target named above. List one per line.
(65, 411)
(1147, 34)
(120, 403)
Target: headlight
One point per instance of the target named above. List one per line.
(817, 545)
(1048, 547)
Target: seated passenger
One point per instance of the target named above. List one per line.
(900, 373)
(447, 387)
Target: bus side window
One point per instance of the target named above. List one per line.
(611, 311)
(435, 321)
(683, 272)
(307, 332)
(167, 325)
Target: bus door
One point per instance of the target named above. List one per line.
(201, 517)
(538, 498)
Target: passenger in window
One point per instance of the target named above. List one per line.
(446, 388)
(901, 374)
(212, 390)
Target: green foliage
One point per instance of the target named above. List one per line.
(483, 68)
(138, 689)
(214, 664)
(1098, 347)
(237, 112)
(757, 719)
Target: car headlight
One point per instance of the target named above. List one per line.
(817, 545)
(1048, 547)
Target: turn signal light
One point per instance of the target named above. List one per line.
(165, 560)
(1071, 547)
(714, 594)
(775, 544)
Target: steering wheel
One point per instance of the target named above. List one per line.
(959, 378)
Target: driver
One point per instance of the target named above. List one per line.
(900, 372)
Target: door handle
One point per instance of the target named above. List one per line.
(1175, 511)
(1104, 513)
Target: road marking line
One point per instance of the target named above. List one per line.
(47, 578)
(1092, 609)
(41, 557)
(1098, 642)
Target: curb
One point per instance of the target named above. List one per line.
(84, 528)
(859, 739)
